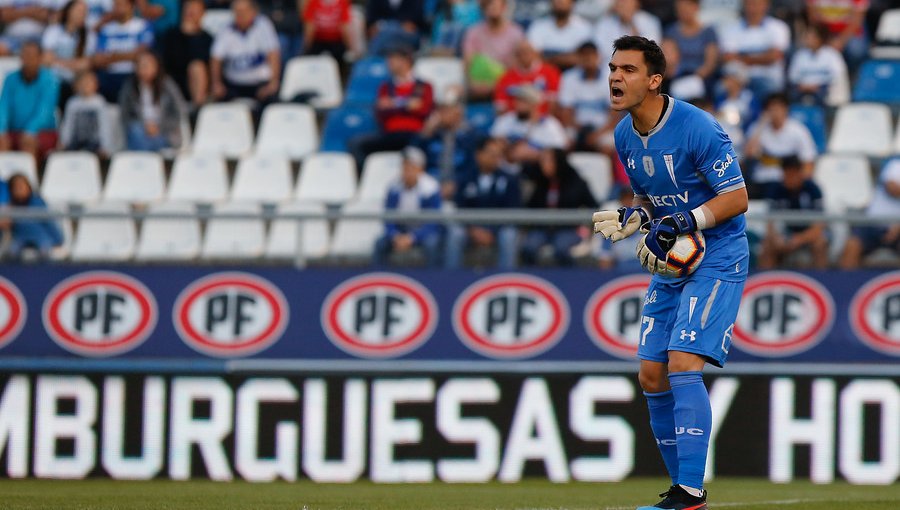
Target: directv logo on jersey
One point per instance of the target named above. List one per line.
(669, 200)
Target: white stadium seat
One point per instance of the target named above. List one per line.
(234, 238)
(71, 177)
(170, 238)
(105, 239)
(224, 129)
(888, 27)
(282, 242)
(262, 179)
(8, 65)
(862, 128)
(214, 20)
(288, 130)
(135, 177)
(63, 251)
(897, 138)
(114, 116)
(319, 74)
(846, 181)
(198, 178)
(328, 177)
(596, 170)
(356, 237)
(443, 73)
(380, 170)
(12, 163)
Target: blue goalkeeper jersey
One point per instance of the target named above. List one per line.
(683, 162)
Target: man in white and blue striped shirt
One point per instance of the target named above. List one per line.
(114, 46)
(246, 58)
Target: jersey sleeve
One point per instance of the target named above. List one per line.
(714, 156)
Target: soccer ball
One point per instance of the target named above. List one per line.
(685, 257)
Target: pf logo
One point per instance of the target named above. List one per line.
(875, 314)
(379, 315)
(782, 314)
(612, 316)
(230, 314)
(99, 313)
(12, 311)
(510, 316)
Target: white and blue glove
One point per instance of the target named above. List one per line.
(653, 248)
(621, 223)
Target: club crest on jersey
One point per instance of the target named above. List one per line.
(648, 165)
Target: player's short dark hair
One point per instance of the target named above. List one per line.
(653, 54)
(777, 98)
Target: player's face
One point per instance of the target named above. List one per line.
(629, 81)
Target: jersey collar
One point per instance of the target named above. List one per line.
(669, 107)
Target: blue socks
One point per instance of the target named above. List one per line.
(693, 421)
(662, 421)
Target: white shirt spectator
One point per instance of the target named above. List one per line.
(243, 54)
(543, 134)
(24, 28)
(547, 37)
(410, 199)
(589, 98)
(115, 37)
(792, 139)
(823, 67)
(611, 27)
(744, 39)
(63, 45)
(883, 204)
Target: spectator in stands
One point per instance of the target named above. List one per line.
(760, 42)
(584, 107)
(28, 104)
(152, 108)
(736, 106)
(492, 188)
(391, 23)
(818, 73)
(98, 11)
(843, 19)
(86, 124)
(453, 19)
(556, 186)
(489, 49)
(795, 192)
(774, 137)
(403, 105)
(692, 53)
(557, 36)
(620, 254)
(161, 14)
(448, 142)
(885, 205)
(39, 235)
(526, 131)
(529, 69)
(413, 192)
(115, 46)
(327, 28)
(24, 20)
(246, 59)
(625, 18)
(186, 53)
(287, 18)
(64, 46)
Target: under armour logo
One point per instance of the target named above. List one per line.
(631, 164)
(685, 335)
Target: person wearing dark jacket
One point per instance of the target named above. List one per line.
(392, 22)
(152, 107)
(37, 234)
(556, 186)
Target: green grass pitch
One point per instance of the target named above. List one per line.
(730, 494)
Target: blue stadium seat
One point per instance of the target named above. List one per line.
(480, 116)
(365, 78)
(343, 124)
(813, 117)
(877, 82)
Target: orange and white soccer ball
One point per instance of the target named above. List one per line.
(683, 259)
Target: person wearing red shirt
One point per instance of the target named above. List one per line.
(326, 28)
(402, 107)
(529, 69)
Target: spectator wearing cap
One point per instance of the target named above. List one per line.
(489, 49)
(448, 142)
(40, 235)
(625, 18)
(795, 192)
(529, 69)
(818, 73)
(246, 61)
(403, 104)
(557, 36)
(526, 131)
(584, 108)
(413, 192)
(114, 46)
(692, 52)
(760, 42)
(391, 23)
(186, 53)
(885, 205)
(28, 104)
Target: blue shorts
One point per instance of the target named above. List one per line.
(695, 315)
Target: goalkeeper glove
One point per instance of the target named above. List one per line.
(619, 224)
(663, 232)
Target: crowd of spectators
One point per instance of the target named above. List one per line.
(540, 64)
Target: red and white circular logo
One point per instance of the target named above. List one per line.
(612, 317)
(230, 314)
(782, 314)
(511, 316)
(875, 314)
(13, 311)
(379, 315)
(99, 313)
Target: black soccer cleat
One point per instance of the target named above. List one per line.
(676, 498)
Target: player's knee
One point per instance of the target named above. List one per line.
(653, 381)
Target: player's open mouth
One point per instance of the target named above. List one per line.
(617, 92)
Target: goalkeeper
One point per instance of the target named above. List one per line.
(685, 178)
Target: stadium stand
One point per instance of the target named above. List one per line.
(224, 129)
(862, 128)
(344, 123)
(327, 177)
(443, 73)
(877, 82)
(8, 65)
(14, 162)
(169, 239)
(234, 238)
(135, 177)
(314, 234)
(596, 170)
(318, 75)
(845, 180)
(71, 178)
(105, 239)
(354, 238)
(288, 130)
(365, 78)
(262, 179)
(379, 171)
(198, 178)
(813, 117)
